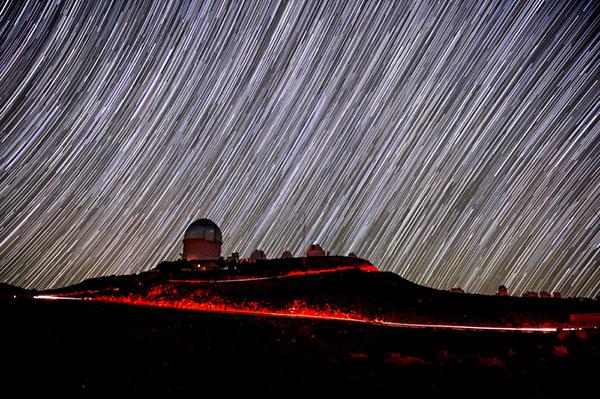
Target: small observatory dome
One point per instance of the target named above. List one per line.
(202, 241)
(315, 250)
(258, 254)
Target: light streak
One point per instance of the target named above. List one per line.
(58, 298)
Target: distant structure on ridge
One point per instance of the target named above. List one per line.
(258, 254)
(315, 250)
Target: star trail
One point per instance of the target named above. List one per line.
(454, 143)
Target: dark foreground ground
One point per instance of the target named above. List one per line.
(91, 349)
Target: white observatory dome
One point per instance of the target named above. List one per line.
(203, 229)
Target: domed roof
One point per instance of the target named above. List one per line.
(203, 229)
(258, 254)
(315, 250)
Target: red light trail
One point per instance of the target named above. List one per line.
(239, 279)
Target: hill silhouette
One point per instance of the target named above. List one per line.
(298, 326)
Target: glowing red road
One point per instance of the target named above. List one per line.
(301, 312)
(333, 318)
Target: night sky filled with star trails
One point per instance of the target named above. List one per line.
(456, 144)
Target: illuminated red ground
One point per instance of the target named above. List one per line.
(203, 295)
(345, 330)
(92, 348)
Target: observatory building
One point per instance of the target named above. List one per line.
(202, 241)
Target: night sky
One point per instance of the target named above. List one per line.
(454, 144)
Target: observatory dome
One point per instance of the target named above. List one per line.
(203, 229)
(202, 241)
